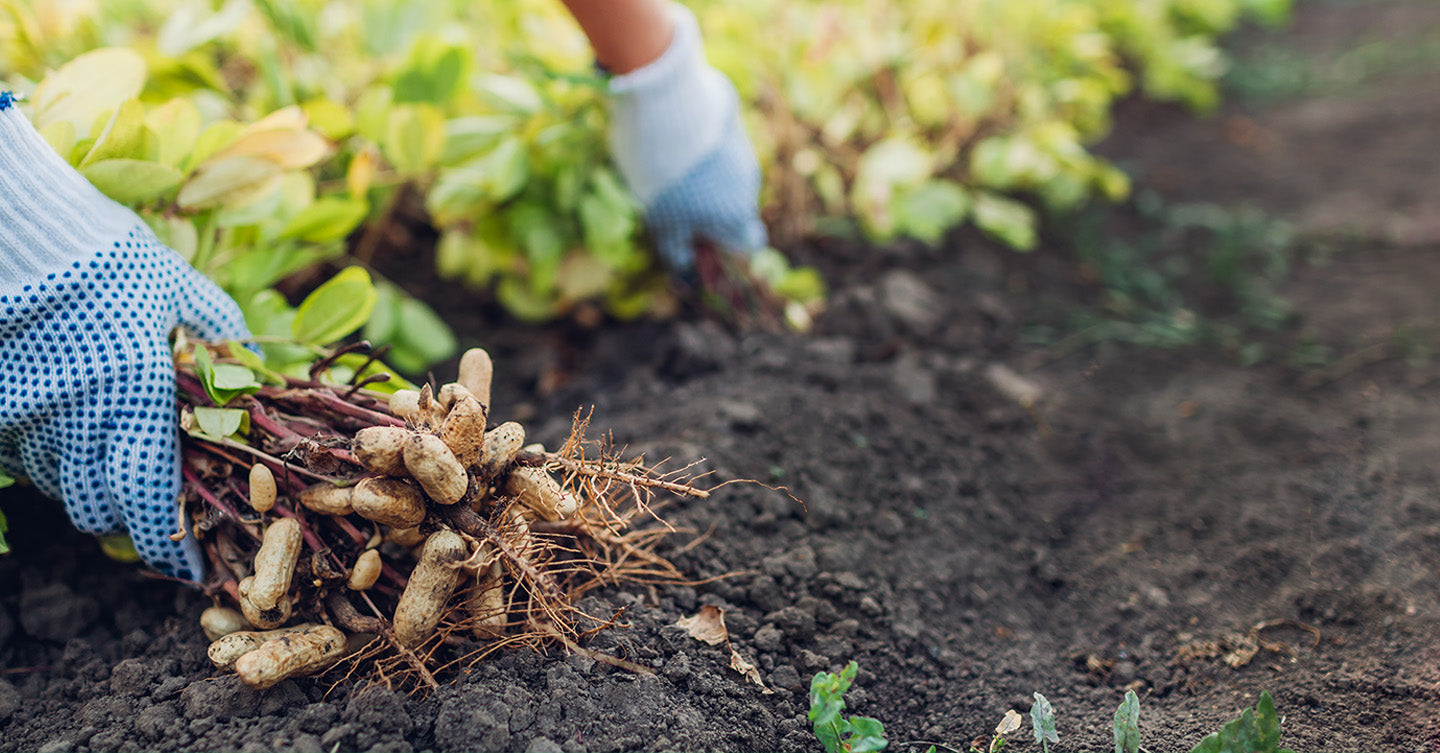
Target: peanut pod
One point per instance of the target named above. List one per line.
(539, 491)
(366, 570)
(381, 449)
(449, 393)
(218, 622)
(487, 604)
(327, 499)
(262, 488)
(404, 403)
(275, 563)
(291, 655)
(226, 649)
(463, 430)
(406, 537)
(431, 584)
(264, 617)
(501, 445)
(476, 371)
(432, 463)
(389, 501)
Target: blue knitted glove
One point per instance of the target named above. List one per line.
(676, 135)
(88, 298)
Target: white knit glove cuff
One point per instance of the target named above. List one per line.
(668, 115)
(50, 216)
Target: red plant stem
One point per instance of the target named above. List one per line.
(223, 507)
(339, 405)
(351, 531)
(190, 386)
(277, 465)
(310, 536)
(393, 574)
(261, 420)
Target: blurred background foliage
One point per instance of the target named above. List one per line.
(261, 138)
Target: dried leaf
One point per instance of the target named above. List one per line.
(747, 670)
(708, 626)
(1010, 723)
(288, 149)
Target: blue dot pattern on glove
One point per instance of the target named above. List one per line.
(714, 200)
(88, 413)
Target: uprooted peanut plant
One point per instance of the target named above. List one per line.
(345, 526)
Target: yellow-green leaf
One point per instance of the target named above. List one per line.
(176, 125)
(336, 308)
(1006, 219)
(215, 137)
(60, 135)
(123, 134)
(220, 422)
(132, 181)
(330, 118)
(230, 181)
(414, 137)
(330, 218)
(93, 83)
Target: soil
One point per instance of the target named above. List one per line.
(1150, 511)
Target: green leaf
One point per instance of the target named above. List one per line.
(123, 135)
(205, 369)
(212, 139)
(335, 309)
(1042, 718)
(422, 331)
(119, 547)
(414, 138)
(5, 480)
(220, 422)
(511, 93)
(468, 136)
(867, 735)
(230, 376)
(333, 120)
(1127, 724)
(330, 218)
(252, 361)
(433, 73)
(176, 125)
(1256, 731)
(503, 170)
(519, 299)
(1006, 219)
(930, 210)
(132, 181)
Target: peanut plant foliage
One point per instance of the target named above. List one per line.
(261, 138)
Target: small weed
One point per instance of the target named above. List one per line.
(1256, 731)
(1127, 724)
(837, 732)
(1042, 717)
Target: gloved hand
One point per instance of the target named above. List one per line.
(88, 298)
(676, 135)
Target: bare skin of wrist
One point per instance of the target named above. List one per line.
(625, 34)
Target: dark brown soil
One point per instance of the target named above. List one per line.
(1154, 508)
